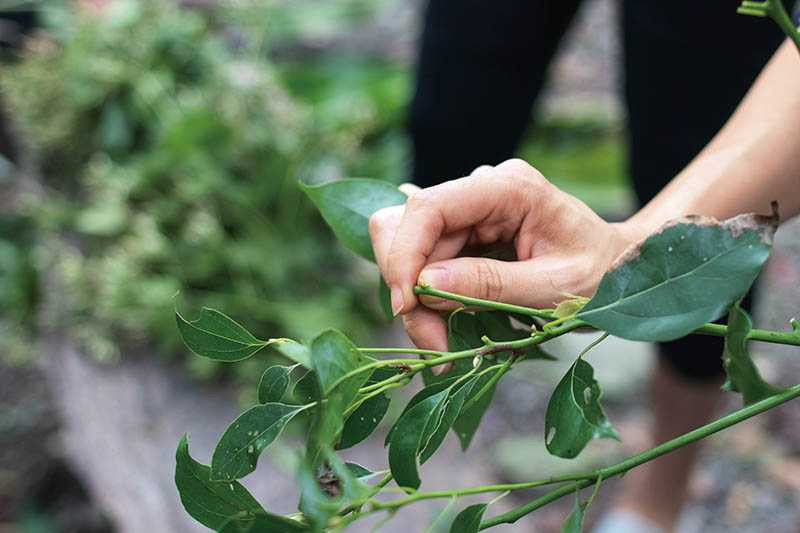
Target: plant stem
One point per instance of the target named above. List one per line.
(764, 335)
(777, 12)
(620, 468)
(488, 304)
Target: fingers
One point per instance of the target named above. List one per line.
(539, 283)
(496, 201)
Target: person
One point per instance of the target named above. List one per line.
(562, 247)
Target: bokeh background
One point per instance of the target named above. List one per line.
(149, 154)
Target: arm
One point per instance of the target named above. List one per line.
(753, 160)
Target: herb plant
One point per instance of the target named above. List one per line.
(677, 282)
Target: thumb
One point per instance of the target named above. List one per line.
(514, 282)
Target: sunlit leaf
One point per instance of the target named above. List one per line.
(687, 274)
(363, 421)
(238, 449)
(217, 336)
(211, 503)
(574, 414)
(347, 204)
(469, 520)
(273, 384)
(743, 375)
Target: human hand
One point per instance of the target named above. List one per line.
(562, 246)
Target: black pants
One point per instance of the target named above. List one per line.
(687, 65)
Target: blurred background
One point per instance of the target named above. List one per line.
(149, 154)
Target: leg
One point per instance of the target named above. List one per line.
(683, 79)
(480, 68)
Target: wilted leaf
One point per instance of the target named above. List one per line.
(238, 450)
(273, 384)
(407, 438)
(743, 375)
(347, 204)
(687, 274)
(574, 414)
(363, 421)
(469, 520)
(217, 336)
(211, 503)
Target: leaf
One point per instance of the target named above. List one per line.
(570, 306)
(359, 471)
(426, 392)
(217, 336)
(497, 326)
(385, 298)
(457, 396)
(210, 503)
(687, 274)
(333, 356)
(306, 390)
(574, 522)
(574, 414)
(237, 452)
(466, 425)
(347, 204)
(295, 351)
(363, 421)
(273, 384)
(469, 520)
(743, 374)
(263, 523)
(407, 438)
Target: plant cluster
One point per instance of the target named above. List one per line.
(169, 144)
(675, 283)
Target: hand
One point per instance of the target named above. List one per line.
(562, 247)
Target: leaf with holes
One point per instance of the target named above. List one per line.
(347, 204)
(237, 452)
(743, 375)
(574, 414)
(687, 274)
(211, 503)
(273, 384)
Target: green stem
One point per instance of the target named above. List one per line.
(777, 12)
(764, 335)
(662, 449)
(488, 304)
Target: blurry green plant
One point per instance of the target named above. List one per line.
(170, 146)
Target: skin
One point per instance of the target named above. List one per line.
(563, 247)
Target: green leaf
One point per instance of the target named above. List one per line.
(347, 204)
(244, 440)
(426, 392)
(306, 390)
(570, 306)
(385, 297)
(687, 274)
(469, 520)
(333, 356)
(211, 503)
(299, 353)
(743, 375)
(273, 384)
(457, 396)
(359, 471)
(407, 439)
(363, 421)
(217, 336)
(574, 522)
(574, 414)
(466, 425)
(263, 523)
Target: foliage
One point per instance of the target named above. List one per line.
(170, 146)
(665, 287)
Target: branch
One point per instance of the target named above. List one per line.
(662, 449)
(775, 10)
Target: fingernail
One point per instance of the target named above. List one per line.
(435, 277)
(397, 300)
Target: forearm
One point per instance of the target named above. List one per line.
(752, 161)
